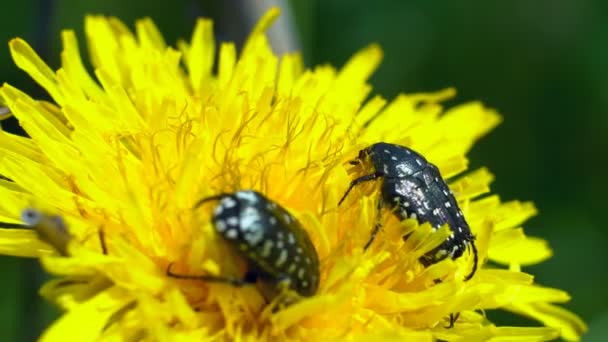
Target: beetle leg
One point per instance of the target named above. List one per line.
(359, 180)
(249, 278)
(453, 319)
(377, 226)
(102, 241)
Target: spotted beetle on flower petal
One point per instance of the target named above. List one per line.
(414, 188)
(274, 244)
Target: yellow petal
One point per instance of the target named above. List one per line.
(89, 318)
(572, 327)
(512, 246)
(23, 243)
(201, 55)
(26, 59)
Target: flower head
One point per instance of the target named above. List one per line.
(124, 155)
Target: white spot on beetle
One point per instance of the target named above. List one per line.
(220, 226)
(436, 211)
(419, 162)
(250, 219)
(447, 204)
(254, 237)
(267, 248)
(413, 215)
(393, 158)
(228, 202)
(387, 151)
(247, 196)
(272, 220)
(301, 273)
(292, 268)
(304, 284)
(232, 233)
(233, 221)
(282, 258)
(291, 239)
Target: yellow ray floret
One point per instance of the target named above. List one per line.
(124, 152)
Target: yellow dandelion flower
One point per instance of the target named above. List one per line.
(116, 163)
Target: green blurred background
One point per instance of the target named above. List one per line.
(542, 64)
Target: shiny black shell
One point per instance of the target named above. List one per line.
(414, 188)
(273, 242)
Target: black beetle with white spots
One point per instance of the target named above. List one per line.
(274, 244)
(413, 188)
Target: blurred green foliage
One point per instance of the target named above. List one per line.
(542, 64)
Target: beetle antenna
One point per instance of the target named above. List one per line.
(209, 199)
(361, 179)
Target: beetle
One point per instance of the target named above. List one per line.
(50, 229)
(274, 244)
(413, 188)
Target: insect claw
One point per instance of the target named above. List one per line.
(453, 319)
